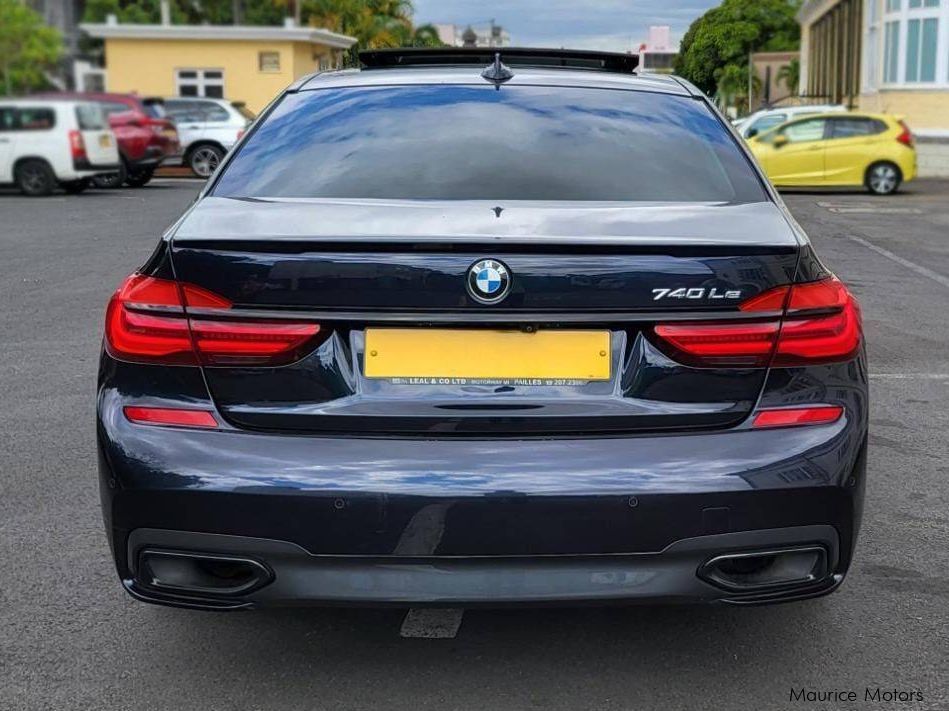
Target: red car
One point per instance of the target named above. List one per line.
(145, 137)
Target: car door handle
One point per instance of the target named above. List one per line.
(192, 127)
(4, 140)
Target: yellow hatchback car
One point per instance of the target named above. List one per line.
(838, 150)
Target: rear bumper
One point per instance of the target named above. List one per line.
(152, 157)
(292, 576)
(85, 166)
(452, 521)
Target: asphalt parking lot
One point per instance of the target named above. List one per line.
(71, 639)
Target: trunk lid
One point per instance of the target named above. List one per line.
(354, 266)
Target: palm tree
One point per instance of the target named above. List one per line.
(376, 24)
(790, 75)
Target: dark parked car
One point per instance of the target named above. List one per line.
(145, 136)
(459, 329)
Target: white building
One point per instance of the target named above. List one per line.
(657, 54)
(887, 56)
(481, 35)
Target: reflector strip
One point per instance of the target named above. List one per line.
(170, 416)
(796, 416)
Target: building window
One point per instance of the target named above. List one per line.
(200, 82)
(891, 52)
(268, 61)
(921, 38)
(916, 42)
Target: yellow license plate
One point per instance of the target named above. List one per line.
(105, 140)
(487, 354)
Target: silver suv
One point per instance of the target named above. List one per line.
(207, 128)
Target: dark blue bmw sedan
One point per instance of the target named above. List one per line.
(460, 329)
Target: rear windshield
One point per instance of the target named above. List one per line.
(476, 143)
(90, 117)
(154, 108)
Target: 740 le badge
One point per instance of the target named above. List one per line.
(699, 292)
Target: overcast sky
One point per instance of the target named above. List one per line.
(616, 25)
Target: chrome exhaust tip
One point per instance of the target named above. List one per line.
(752, 571)
(201, 574)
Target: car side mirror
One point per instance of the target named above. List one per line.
(780, 141)
(752, 132)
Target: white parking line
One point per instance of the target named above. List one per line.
(432, 623)
(878, 210)
(918, 268)
(909, 376)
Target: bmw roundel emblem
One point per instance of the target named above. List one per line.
(489, 281)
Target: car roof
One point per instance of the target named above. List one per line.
(205, 99)
(840, 115)
(98, 96)
(34, 100)
(523, 76)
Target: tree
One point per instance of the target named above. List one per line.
(374, 23)
(732, 85)
(790, 75)
(725, 35)
(214, 12)
(27, 48)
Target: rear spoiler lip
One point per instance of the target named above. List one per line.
(684, 247)
(616, 62)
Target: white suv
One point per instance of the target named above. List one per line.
(766, 119)
(207, 128)
(45, 143)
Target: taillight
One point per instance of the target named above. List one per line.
(906, 137)
(821, 324)
(146, 322)
(77, 147)
(724, 344)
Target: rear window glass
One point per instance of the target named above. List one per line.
(30, 118)
(853, 126)
(114, 107)
(154, 108)
(476, 143)
(90, 117)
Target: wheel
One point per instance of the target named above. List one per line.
(35, 178)
(883, 178)
(138, 178)
(111, 181)
(74, 187)
(204, 159)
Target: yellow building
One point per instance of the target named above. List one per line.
(237, 62)
(889, 56)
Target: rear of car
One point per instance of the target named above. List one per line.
(47, 144)
(208, 129)
(427, 339)
(146, 137)
(875, 151)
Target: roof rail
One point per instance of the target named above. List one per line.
(512, 56)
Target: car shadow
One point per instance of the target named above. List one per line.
(288, 641)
